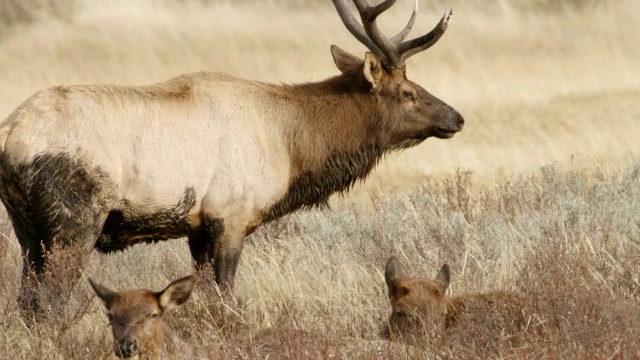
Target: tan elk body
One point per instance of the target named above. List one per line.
(420, 307)
(208, 156)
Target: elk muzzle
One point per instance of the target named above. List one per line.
(126, 348)
(451, 123)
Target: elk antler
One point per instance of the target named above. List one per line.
(392, 52)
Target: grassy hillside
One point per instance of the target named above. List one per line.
(538, 195)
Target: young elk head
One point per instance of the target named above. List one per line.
(417, 305)
(410, 114)
(136, 317)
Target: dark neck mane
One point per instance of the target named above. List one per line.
(334, 142)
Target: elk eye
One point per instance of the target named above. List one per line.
(154, 316)
(110, 317)
(399, 314)
(408, 95)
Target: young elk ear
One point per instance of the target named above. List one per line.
(444, 278)
(343, 60)
(391, 273)
(177, 293)
(373, 71)
(104, 293)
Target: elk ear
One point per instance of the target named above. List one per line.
(444, 278)
(343, 60)
(391, 273)
(104, 293)
(176, 294)
(372, 70)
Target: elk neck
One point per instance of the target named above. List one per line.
(333, 137)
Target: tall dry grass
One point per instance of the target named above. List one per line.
(539, 83)
(567, 241)
(548, 82)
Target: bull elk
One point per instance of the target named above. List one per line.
(207, 155)
(420, 307)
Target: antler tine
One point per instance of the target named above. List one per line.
(368, 15)
(372, 12)
(354, 27)
(393, 52)
(412, 47)
(403, 34)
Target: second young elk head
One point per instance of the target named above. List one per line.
(421, 307)
(418, 306)
(412, 114)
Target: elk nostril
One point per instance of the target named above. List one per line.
(460, 120)
(127, 348)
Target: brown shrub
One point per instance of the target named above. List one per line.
(566, 241)
(577, 313)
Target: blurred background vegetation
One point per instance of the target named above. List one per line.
(25, 11)
(538, 194)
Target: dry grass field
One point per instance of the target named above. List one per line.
(539, 195)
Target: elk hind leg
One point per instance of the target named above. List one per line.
(67, 205)
(32, 266)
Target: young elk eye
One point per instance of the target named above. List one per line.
(154, 316)
(399, 314)
(110, 317)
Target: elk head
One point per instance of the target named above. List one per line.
(417, 305)
(136, 316)
(411, 114)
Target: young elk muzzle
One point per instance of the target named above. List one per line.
(421, 307)
(136, 317)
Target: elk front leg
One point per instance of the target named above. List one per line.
(219, 244)
(227, 257)
(203, 242)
